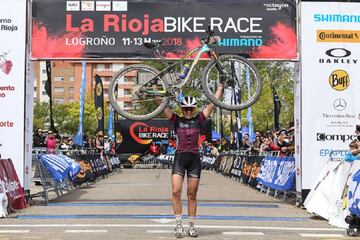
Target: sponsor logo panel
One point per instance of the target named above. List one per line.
(103, 6)
(324, 137)
(338, 56)
(350, 36)
(339, 80)
(87, 5)
(73, 6)
(120, 6)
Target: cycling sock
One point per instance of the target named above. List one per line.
(191, 220)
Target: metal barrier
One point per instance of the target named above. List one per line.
(43, 177)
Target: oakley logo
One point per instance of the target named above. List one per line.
(338, 52)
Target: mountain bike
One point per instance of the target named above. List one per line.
(141, 92)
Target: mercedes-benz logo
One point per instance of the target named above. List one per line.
(339, 104)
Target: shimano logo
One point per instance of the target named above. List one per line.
(275, 6)
(341, 18)
(335, 137)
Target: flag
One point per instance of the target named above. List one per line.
(237, 100)
(277, 108)
(110, 124)
(99, 104)
(111, 118)
(249, 115)
(49, 93)
(78, 138)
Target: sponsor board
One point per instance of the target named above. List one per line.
(329, 96)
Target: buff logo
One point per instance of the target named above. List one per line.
(339, 80)
(146, 25)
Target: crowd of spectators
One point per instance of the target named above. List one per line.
(53, 141)
(277, 140)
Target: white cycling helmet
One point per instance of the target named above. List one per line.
(188, 102)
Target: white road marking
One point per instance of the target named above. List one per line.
(159, 231)
(86, 231)
(319, 235)
(163, 220)
(166, 225)
(244, 233)
(14, 231)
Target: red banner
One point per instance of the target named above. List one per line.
(10, 184)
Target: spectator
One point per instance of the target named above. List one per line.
(64, 144)
(282, 144)
(246, 143)
(50, 142)
(154, 149)
(38, 138)
(214, 151)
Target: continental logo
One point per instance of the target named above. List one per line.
(351, 36)
(339, 80)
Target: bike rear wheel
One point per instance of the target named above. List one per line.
(132, 98)
(242, 86)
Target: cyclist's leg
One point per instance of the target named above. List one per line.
(193, 180)
(177, 179)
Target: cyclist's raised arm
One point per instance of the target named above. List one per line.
(210, 108)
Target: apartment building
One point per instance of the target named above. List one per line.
(67, 75)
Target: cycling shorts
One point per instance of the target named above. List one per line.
(189, 162)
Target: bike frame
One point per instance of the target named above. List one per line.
(202, 49)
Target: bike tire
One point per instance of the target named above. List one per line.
(120, 109)
(210, 95)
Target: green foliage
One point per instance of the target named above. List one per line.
(66, 117)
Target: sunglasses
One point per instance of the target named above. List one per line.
(188, 109)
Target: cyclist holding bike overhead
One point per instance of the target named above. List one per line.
(187, 158)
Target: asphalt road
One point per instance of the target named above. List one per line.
(135, 204)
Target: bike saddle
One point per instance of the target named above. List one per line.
(153, 44)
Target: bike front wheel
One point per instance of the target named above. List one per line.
(241, 80)
(137, 92)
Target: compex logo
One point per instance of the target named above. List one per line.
(335, 137)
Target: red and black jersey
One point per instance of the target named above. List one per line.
(188, 131)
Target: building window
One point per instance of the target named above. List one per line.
(71, 78)
(58, 100)
(71, 100)
(71, 89)
(44, 82)
(127, 91)
(59, 78)
(44, 71)
(44, 93)
(35, 89)
(59, 89)
(100, 67)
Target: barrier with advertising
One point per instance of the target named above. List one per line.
(277, 173)
(12, 85)
(329, 84)
(136, 136)
(10, 185)
(240, 166)
(118, 29)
